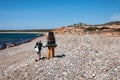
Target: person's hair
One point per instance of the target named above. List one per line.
(51, 33)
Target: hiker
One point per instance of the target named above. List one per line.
(51, 44)
(37, 48)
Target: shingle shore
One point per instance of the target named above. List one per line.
(78, 57)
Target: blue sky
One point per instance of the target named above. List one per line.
(47, 14)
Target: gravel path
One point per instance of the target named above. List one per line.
(78, 57)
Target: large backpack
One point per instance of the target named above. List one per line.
(51, 38)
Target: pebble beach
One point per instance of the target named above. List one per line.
(77, 57)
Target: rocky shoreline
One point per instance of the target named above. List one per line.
(15, 42)
(78, 57)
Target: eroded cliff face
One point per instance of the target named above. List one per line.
(69, 30)
(107, 30)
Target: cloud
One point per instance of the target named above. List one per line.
(116, 17)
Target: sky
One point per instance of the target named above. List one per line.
(49, 14)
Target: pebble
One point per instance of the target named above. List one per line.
(117, 68)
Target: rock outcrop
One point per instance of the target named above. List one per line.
(69, 30)
(107, 30)
(4, 46)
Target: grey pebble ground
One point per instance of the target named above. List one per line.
(78, 57)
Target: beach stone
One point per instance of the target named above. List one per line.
(11, 45)
(64, 73)
(92, 76)
(117, 68)
(4, 46)
(81, 78)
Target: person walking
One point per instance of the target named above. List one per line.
(51, 44)
(37, 48)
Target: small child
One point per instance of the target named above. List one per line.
(39, 46)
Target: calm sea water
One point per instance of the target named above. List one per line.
(18, 38)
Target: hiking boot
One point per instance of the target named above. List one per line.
(36, 60)
(40, 58)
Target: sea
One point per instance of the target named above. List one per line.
(16, 38)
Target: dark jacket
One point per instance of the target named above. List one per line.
(39, 44)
